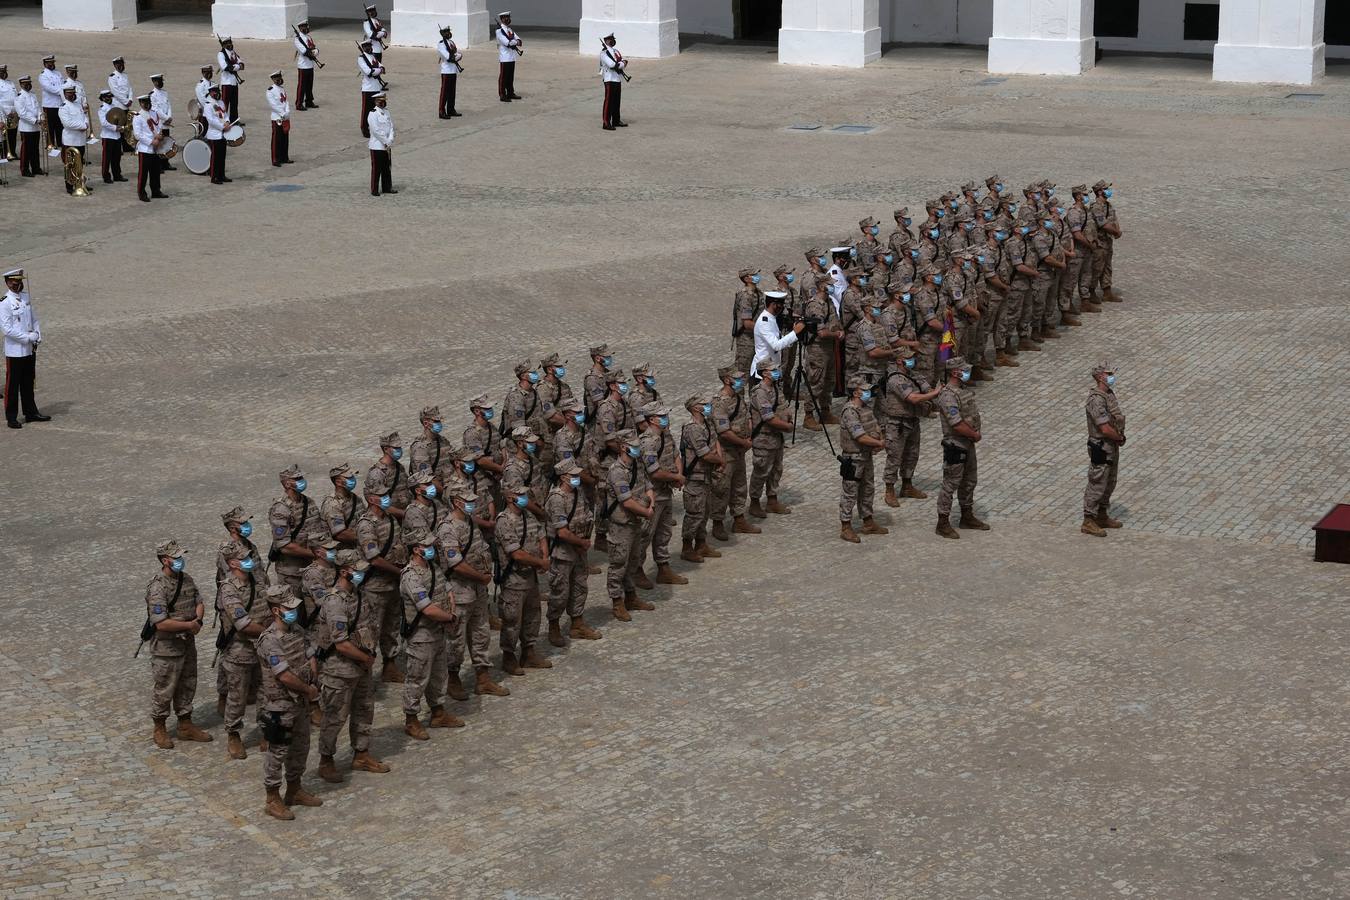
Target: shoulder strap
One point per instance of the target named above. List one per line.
(304, 514)
(389, 541)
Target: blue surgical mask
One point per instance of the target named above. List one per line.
(853, 252)
(385, 501)
(999, 187)
(330, 555)
(532, 377)
(914, 254)
(890, 258)
(937, 279)
(1050, 192)
(574, 481)
(1108, 193)
(623, 388)
(965, 264)
(1059, 210)
(663, 421)
(579, 418)
(876, 311)
(649, 381)
(862, 281)
(707, 409)
(908, 221)
(789, 278)
(246, 564)
(980, 260)
(737, 383)
(866, 396)
(431, 491)
(290, 616)
(1000, 235)
(954, 203)
(874, 229)
(522, 501)
(469, 507)
(933, 233)
(633, 451)
(529, 446)
(754, 279)
(608, 362)
(245, 529)
(349, 483)
(967, 225)
(965, 374)
(469, 467)
(300, 485)
(1048, 223)
(941, 213)
(436, 427)
(909, 363)
(396, 453)
(559, 371)
(428, 552)
(487, 414)
(775, 375)
(823, 261)
(1024, 229)
(904, 298)
(1110, 381)
(177, 564)
(357, 577)
(1012, 207)
(988, 216)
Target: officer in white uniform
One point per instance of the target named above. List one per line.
(612, 67)
(381, 126)
(73, 77)
(111, 138)
(163, 109)
(508, 51)
(306, 59)
(120, 84)
(74, 125)
(281, 121)
(50, 82)
(146, 127)
(22, 333)
(217, 122)
(450, 68)
(376, 33)
(230, 66)
(202, 90)
(30, 111)
(371, 72)
(769, 341)
(8, 95)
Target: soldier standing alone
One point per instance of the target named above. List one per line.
(174, 610)
(960, 433)
(1106, 435)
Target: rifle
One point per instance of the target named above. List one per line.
(450, 46)
(304, 39)
(230, 69)
(520, 50)
(626, 76)
(372, 65)
(376, 28)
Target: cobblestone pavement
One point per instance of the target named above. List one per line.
(1025, 713)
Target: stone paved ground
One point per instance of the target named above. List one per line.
(1026, 713)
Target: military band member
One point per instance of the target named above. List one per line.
(120, 84)
(242, 614)
(347, 643)
(306, 61)
(612, 69)
(508, 53)
(630, 506)
(174, 611)
(428, 612)
(371, 72)
(450, 68)
(568, 517)
(8, 94)
(466, 557)
(289, 674)
(960, 416)
(291, 517)
(1106, 435)
(376, 33)
(770, 419)
(230, 66)
(701, 462)
(51, 83)
(217, 123)
(202, 90)
(380, 537)
(74, 125)
(30, 132)
(110, 136)
(728, 489)
(22, 335)
(859, 438)
(381, 127)
(146, 128)
(281, 121)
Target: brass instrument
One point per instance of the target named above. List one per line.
(45, 139)
(11, 122)
(122, 119)
(73, 165)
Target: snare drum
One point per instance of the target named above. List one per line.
(167, 148)
(197, 156)
(234, 135)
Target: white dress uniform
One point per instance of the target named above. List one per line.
(217, 120)
(381, 126)
(120, 85)
(74, 124)
(8, 94)
(376, 35)
(280, 105)
(145, 127)
(80, 96)
(370, 76)
(161, 104)
(50, 81)
(106, 130)
(27, 106)
(449, 57)
(302, 47)
(23, 333)
(381, 129)
(449, 60)
(508, 51)
(228, 78)
(769, 342)
(201, 89)
(506, 46)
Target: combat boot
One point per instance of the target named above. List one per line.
(830, 418)
(641, 580)
(364, 762)
(1105, 521)
(555, 635)
(1091, 306)
(688, 553)
(756, 510)
(580, 631)
(631, 601)
(162, 739)
(1110, 295)
(719, 531)
(187, 731)
(442, 719)
(485, 685)
(968, 520)
(742, 525)
(455, 688)
(328, 770)
(870, 526)
(295, 794)
(907, 489)
(620, 612)
(412, 727)
(276, 807)
(706, 550)
(666, 575)
(1026, 344)
(1091, 527)
(533, 660)
(1003, 359)
(391, 673)
(510, 666)
(811, 424)
(890, 498)
(1050, 333)
(847, 533)
(1071, 319)
(777, 508)
(235, 747)
(945, 529)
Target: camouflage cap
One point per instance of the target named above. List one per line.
(523, 433)
(730, 372)
(342, 471)
(482, 401)
(626, 436)
(572, 405)
(523, 367)
(292, 473)
(746, 273)
(929, 268)
(567, 466)
(1047, 184)
(602, 350)
(654, 409)
(965, 216)
(431, 412)
(418, 537)
(858, 380)
(1078, 189)
(1101, 185)
(956, 362)
(643, 369)
(969, 188)
(1103, 368)
(323, 540)
(814, 253)
(902, 212)
(282, 595)
(768, 365)
(235, 516)
(932, 204)
(1032, 188)
(867, 222)
(391, 440)
(904, 351)
(782, 270)
(898, 287)
(459, 489)
(993, 180)
(234, 550)
(352, 559)
(550, 361)
(421, 478)
(950, 196)
(170, 549)
(695, 402)
(614, 376)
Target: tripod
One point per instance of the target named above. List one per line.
(798, 376)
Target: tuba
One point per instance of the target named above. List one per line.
(73, 164)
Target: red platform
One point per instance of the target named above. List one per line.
(1333, 535)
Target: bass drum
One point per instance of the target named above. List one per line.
(197, 156)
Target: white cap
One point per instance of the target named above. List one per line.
(158, 76)
(13, 273)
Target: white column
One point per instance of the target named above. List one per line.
(1270, 41)
(259, 19)
(642, 28)
(830, 33)
(1042, 37)
(417, 23)
(88, 15)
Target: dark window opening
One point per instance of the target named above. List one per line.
(1201, 22)
(758, 20)
(1337, 27)
(1116, 18)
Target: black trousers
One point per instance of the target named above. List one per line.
(20, 372)
(506, 79)
(112, 159)
(218, 148)
(367, 104)
(229, 95)
(147, 171)
(281, 144)
(30, 153)
(381, 172)
(447, 101)
(613, 94)
(53, 125)
(304, 88)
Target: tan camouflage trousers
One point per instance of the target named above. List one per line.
(820, 363)
(1101, 483)
(625, 542)
(767, 471)
(958, 480)
(350, 702)
(471, 630)
(902, 448)
(520, 607)
(567, 588)
(292, 755)
(1068, 284)
(861, 492)
(1101, 262)
(175, 683)
(696, 497)
(1011, 323)
(426, 670)
(386, 606)
(659, 531)
(239, 672)
(728, 492)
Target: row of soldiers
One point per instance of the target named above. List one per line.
(403, 557)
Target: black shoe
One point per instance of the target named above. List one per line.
(392, 191)
(313, 105)
(13, 424)
(107, 181)
(120, 178)
(607, 127)
(29, 175)
(456, 115)
(504, 99)
(169, 168)
(301, 108)
(37, 417)
(145, 199)
(216, 181)
(374, 193)
(514, 96)
(226, 180)
(442, 115)
(276, 165)
(287, 162)
(621, 124)
(160, 196)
